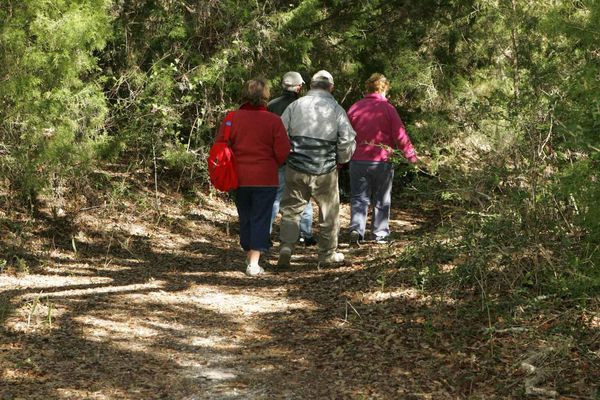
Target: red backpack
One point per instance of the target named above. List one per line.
(221, 161)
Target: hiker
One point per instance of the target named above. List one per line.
(379, 130)
(321, 137)
(260, 144)
(292, 84)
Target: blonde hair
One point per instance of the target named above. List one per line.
(377, 83)
(256, 92)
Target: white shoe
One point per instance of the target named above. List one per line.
(382, 240)
(334, 258)
(254, 270)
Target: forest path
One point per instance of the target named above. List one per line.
(124, 308)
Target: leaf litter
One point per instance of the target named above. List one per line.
(127, 308)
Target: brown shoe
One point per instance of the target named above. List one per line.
(285, 255)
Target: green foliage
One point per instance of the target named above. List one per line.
(580, 192)
(52, 108)
(425, 258)
(177, 157)
(500, 97)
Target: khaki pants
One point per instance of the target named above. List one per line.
(300, 187)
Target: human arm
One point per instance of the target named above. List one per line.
(286, 117)
(399, 135)
(281, 142)
(220, 136)
(346, 142)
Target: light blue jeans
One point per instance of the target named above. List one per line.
(307, 216)
(371, 181)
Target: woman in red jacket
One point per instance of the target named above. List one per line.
(260, 144)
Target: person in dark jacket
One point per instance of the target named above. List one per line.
(260, 144)
(292, 84)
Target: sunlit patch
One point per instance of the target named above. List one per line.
(222, 214)
(212, 374)
(407, 293)
(38, 313)
(89, 270)
(69, 393)
(234, 303)
(15, 375)
(79, 270)
(173, 243)
(129, 227)
(403, 225)
(99, 290)
(217, 374)
(48, 281)
(221, 274)
(221, 301)
(213, 342)
(195, 370)
(139, 331)
(127, 335)
(447, 267)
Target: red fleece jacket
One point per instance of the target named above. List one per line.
(260, 144)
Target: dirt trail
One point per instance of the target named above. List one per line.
(122, 308)
(144, 312)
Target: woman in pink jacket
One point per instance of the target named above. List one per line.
(379, 130)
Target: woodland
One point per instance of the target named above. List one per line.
(121, 275)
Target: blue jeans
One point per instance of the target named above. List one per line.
(254, 206)
(371, 181)
(307, 215)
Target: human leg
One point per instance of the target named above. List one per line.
(252, 257)
(326, 194)
(243, 203)
(260, 219)
(383, 177)
(293, 202)
(306, 235)
(252, 267)
(360, 197)
(306, 221)
(278, 196)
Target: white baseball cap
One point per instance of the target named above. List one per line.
(322, 76)
(292, 78)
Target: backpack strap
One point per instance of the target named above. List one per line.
(228, 123)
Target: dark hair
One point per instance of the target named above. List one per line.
(256, 92)
(320, 85)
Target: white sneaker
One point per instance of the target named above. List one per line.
(254, 270)
(333, 258)
(382, 240)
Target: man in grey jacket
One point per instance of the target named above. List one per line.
(321, 137)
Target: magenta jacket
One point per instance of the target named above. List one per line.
(379, 130)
